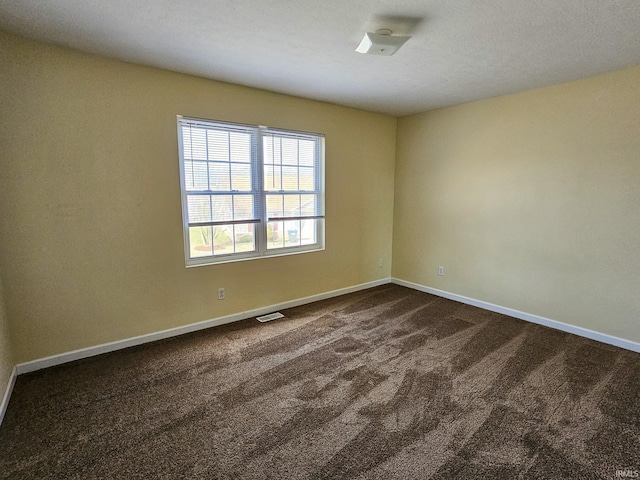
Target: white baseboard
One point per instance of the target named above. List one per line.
(529, 317)
(66, 357)
(7, 393)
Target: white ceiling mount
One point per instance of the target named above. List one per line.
(381, 43)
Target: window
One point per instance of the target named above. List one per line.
(249, 191)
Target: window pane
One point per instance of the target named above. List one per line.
(195, 176)
(200, 241)
(240, 147)
(272, 179)
(307, 205)
(292, 205)
(245, 240)
(225, 208)
(308, 229)
(288, 234)
(223, 239)
(188, 175)
(289, 151)
(289, 178)
(307, 153)
(219, 178)
(194, 142)
(271, 151)
(293, 233)
(307, 178)
(222, 208)
(199, 207)
(241, 177)
(275, 206)
(275, 235)
(218, 145)
(243, 207)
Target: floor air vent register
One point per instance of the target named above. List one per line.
(269, 317)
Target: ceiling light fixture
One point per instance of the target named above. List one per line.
(381, 43)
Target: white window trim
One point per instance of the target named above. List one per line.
(260, 232)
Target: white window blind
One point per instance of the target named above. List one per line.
(249, 191)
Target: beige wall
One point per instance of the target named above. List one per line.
(91, 232)
(6, 357)
(529, 201)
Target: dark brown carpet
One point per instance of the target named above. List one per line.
(388, 383)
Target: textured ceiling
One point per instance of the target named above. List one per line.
(461, 50)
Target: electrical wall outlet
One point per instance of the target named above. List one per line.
(440, 270)
(221, 294)
(380, 262)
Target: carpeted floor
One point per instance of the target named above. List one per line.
(388, 383)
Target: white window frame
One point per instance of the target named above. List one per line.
(259, 193)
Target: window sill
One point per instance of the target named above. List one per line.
(285, 252)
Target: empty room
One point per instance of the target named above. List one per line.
(320, 240)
